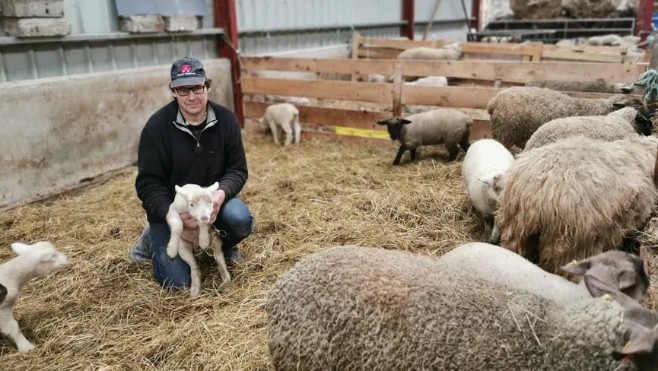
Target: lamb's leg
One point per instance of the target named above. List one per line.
(464, 143)
(298, 132)
(412, 151)
(288, 133)
(176, 228)
(453, 151)
(221, 262)
(186, 252)
(204, 235)
(399, 155)
(495, 235)
(9, 327)
(488, 226)
(275, 132)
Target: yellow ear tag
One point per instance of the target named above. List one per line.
(605, 297)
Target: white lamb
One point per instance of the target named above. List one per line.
(448, 52)
(36, 260)
(198, 202)
(484, 165)
(282, 118)
(438, 81)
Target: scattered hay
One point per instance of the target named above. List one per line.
(108, 313)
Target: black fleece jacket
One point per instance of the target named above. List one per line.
(169, 155)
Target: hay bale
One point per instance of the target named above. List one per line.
(536, 9)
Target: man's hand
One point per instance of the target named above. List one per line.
(217, 201)
(189, 223)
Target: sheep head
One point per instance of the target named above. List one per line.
(45, 257)
(199, 201)
(394, 126)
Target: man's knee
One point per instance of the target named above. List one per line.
(236, 219)
(170, 273)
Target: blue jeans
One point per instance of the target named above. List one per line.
(234, 218)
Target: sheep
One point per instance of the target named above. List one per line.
(32, 261)
(596, 86)
(439, 126)
(613, 126)
(448, 52)
(484, 165)
(517, 112)
(577, 197)
(620, 270)
(349, 308)
(282, 118)
(430, 81)
(198, 202)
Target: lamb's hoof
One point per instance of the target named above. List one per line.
(194, 292)
(25, 347)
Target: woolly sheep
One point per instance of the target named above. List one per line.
(618, 269)
(596, 86)
(613, 126)
(282, 118)
(439, 126)
(349, 308)
(198, 202)
(448, 52)
(577, 197)
(484, 165)
(517, 112)
(33, 260)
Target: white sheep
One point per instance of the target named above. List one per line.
(198, 202)
(485, 163)
(438, 81)
(623, 271)
(439, 126)
(352, 308)
(36, 260)
(282, 118)
(577, 197)
(448, 52)
(517, 112)
(616, 125)
(592, 86)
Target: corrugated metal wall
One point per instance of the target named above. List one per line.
(265, 27)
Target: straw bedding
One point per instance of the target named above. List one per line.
(107, 313)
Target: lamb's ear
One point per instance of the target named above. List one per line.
(577, 268)
(19, 247)
(486, 180)
(383, 122)
(181, 191)
(598, 288)
(404, 121)
(214, 187)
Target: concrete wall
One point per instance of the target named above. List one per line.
(58, 132)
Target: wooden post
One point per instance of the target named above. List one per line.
(356, 44)
(398, 80)
(408, 10)
(228, 48)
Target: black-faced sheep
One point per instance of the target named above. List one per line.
(36, 260)
(351, 308)
(577, 197)
(439, 126)
(616, 125)
(517, 112)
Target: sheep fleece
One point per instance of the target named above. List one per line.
(580, 195)
(351, 308)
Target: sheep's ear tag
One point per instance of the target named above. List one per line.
(606, 297)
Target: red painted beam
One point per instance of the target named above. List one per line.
(645, 10)
(225, 17)
(475, 14)
(408, 9)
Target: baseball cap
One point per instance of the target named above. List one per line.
(187, 71)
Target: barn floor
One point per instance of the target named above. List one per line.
(107, 313)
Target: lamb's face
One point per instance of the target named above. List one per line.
(200, 206)
(44, 256)
(394, 126)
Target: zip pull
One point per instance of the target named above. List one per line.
(198, 149)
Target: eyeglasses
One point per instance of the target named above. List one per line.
(197, 90)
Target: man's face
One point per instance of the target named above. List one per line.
(192, 99)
